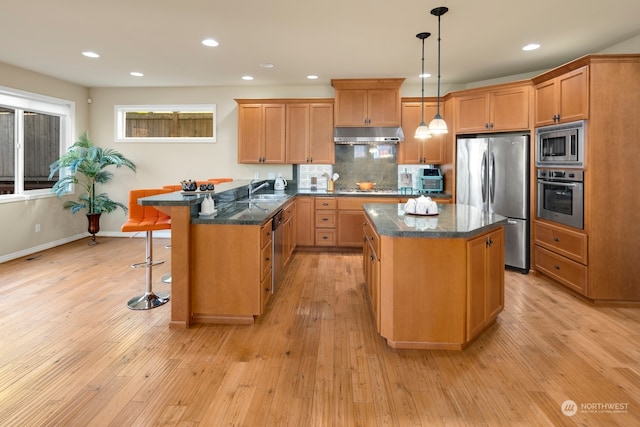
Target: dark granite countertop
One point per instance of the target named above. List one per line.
(231, 209)
(452, 221)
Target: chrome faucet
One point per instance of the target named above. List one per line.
(252, 190)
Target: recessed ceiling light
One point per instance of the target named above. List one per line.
(424, 76)
(210, 42)
(136, 74)
(247, 78)
(312, 77)
(267, 65)
(531, 46)
(90, 54)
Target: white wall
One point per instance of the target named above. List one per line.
(18, 218)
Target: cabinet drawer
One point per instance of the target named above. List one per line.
(568, 243)
(326, 237)
(326, 203)
(565, 271)
(325, 219)
(265, 235)
(265, 261)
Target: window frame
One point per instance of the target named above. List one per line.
(120, 122)
(21, 102)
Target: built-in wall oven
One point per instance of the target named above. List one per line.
(561, 196)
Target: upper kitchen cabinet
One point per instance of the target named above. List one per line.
(496, 109)
(367, 102)
(563, 98)
(419, 151)
(261, 132)
(310, 133)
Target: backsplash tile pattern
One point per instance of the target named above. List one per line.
(370, 163)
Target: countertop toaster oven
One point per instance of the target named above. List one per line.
(430, 180)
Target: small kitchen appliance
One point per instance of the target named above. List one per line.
(430, 180)
(280, 183)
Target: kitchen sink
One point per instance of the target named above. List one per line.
(267, 197)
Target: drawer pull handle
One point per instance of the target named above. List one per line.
(325, 219)
(555, 239)
(556, 266)
(266, 259)
(325, 237)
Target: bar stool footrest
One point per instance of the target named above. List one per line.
(144, 264)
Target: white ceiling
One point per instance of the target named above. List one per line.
(481, 40)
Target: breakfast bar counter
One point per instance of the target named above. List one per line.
(434, 282)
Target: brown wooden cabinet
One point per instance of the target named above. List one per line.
(563, 98)
(261, 133)
(289, 231)
(420, 151)
(485, 263)
(309, 136)
(305, 220)
(367, 102)
(496, 109)
(371, 267)
(245, 261)
(351, 218)
(325, 221)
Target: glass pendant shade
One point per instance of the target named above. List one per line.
(422, 132)
(438, 126)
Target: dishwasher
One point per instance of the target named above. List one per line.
(277, 249)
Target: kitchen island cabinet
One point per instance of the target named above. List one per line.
(440, 280)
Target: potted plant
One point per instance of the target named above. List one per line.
(86, 166)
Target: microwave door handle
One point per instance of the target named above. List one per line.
(483, 168)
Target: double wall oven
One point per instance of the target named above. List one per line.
(560, 162)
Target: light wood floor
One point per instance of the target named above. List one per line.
(72, 354)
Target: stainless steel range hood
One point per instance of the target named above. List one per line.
(367, 135)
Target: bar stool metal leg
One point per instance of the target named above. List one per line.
(149, 299)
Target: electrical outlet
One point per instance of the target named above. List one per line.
(37, 228)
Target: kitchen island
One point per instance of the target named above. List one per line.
(434, 282)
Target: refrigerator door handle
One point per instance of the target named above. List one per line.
(483, 168)
(492, 178)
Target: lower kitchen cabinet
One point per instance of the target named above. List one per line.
(485, 268)
(289, 232)
(230, 272)
(305, 225)
(325, 221)
(351, 218)
(371, 268)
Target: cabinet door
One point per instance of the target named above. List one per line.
(321, 145)
(250, 133)
(574, 95)
(545, 103)
(274, 133)
(416, 151)
(383, 106)
(495, 275)
(509, 109)
(351, 107)
(305, 221)
(472, 113)
(350, 228)
(297, 133)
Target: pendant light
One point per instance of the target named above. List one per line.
(423, 131)
(438, 125)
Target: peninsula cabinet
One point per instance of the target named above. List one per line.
(599, 261)
(309, 136)
(496, 109)
(224, 254)
(420, 151)
(563, 99)
(261, 133)
(367, 102)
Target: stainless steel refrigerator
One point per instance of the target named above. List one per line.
(492, 173)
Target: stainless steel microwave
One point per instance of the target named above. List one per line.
(561, 145)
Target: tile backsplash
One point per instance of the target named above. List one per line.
(360, 164)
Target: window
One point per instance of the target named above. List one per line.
(165, 123)
(34, 129)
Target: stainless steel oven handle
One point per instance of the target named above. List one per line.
(564, 183)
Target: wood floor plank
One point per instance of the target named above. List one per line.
(71, 353)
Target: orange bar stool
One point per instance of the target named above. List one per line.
(147, 219)
(172, 187)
